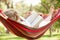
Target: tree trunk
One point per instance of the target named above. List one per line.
(57, 30)
(7, 31)
(50, 31)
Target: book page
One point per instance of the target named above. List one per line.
(36, 22)
(32, 17)
(22, 18)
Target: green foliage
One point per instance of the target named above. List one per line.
(58, 24)
(40, 9)
(2, 5)
(2, 28)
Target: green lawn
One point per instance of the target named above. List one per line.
(4, 36)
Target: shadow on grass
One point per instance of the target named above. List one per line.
(15, 38)
(12, 38)
(52, 35)
(4, 34)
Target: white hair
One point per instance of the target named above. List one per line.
(11, 13)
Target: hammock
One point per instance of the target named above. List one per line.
(21, 30)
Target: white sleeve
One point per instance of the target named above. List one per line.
(22, 18)
(26, 23)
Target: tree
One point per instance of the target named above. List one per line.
(45, 6)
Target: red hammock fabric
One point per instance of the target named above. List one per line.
(21, 30)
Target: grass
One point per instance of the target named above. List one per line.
(9, 37)
(4, 36)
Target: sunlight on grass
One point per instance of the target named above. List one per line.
(4, 36)
(13, 37)
(10, 37)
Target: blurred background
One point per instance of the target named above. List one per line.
(25, 5)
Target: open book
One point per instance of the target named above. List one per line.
(37, 21)
(33, 20)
